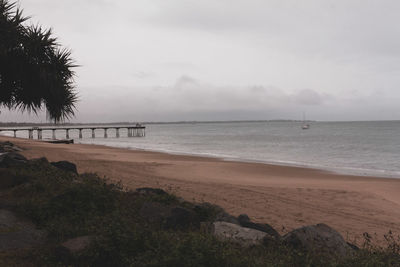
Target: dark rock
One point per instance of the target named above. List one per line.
(6, 143)
(242, 235)
(12, 159)
(182, 218)
(77, 244)
(154, 212)
(170, 217)
(320, 239)
(244, 221)
(17, 233)
(8, 147)
(242, 218)
(66, 166)
(68, 252)
(151, 191)
(8, 179)
(226, 217)
(211, 212)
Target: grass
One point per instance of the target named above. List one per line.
(68, 205)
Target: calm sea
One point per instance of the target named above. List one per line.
(363, 148)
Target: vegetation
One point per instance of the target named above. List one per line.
(34, 70)
(67, 205)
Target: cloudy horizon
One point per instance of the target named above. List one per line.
(170, 60)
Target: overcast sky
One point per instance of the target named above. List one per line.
(170, 60)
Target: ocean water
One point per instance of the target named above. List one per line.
(362, 148)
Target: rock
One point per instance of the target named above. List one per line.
(182, 218)
(8, 147)
(226, 217)
(151, 191)
(68, 251)
(154, 212)
(12, 159)
(77, 244)
(8, 179)
(242, 235)
(65, 165)
(211, 212)
(244, 221)
(319, 238)
(170, 217)
(16, 233)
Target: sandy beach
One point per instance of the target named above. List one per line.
(284, 197)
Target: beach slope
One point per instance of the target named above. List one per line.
(285, 197)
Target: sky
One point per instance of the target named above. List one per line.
(175, 60)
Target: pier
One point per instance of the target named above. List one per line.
(132, 131)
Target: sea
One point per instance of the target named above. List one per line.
(368, 148)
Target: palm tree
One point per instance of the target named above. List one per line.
(34, 70)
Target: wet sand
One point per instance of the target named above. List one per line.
(284, 197)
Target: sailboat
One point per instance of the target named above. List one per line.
(305, 126)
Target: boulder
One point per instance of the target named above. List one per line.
(12, 159)
(244, 221)
(77, 244)
(181, 218)
(235, 233)
(8, 147)
(154, 212)
(170, 217)
(65, 165)
(226, 217)
(68, 252)
(320, 239)
(17, 233)
(212, 212)
(8, 179)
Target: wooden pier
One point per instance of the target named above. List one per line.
(132, 131)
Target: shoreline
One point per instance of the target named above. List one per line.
(283, 196)
(350, 171)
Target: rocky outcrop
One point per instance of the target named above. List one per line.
(65, 166)
(242, 235)
(244, 221)
(181, 218)
(320, 239)
(11, 159)
(170, 217)
(8, 179)
(214, 213)
(17, 233)
(6, 147)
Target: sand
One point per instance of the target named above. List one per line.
(284, 197)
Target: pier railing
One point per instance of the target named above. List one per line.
(132, 131)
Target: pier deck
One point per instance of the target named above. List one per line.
(132, 131)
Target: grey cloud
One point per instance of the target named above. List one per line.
(308, 97)
(185, 82)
